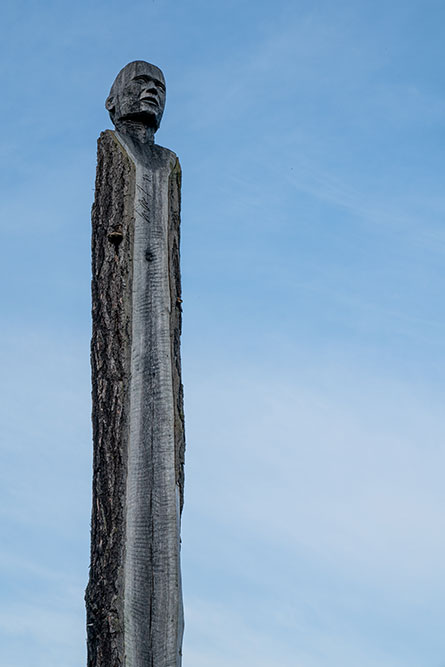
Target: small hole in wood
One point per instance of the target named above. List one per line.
(115, 237)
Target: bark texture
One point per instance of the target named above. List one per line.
(134, 600)
(176, 323)
(112, 250)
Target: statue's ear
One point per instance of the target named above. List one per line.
(110, 103)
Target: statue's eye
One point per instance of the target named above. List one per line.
(140, 79)
(146, 79)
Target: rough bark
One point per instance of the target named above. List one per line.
(134, 601)
(112, 249)
(176, 323)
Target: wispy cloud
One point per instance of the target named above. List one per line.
(319, 498)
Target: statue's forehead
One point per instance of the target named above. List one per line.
(137, 68)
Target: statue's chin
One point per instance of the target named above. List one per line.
(146, 117)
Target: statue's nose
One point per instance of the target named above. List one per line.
(150, 88)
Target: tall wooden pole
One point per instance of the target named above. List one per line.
(134, 599)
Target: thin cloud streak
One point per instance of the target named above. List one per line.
(358, 482)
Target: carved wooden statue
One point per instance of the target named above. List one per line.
(134, 599)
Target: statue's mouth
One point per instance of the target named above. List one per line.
(150, 100)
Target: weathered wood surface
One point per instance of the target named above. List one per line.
(134, 599)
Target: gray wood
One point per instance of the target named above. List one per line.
(134, 598)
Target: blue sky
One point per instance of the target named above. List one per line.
(311, 137)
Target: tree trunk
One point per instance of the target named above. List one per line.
(134, 600)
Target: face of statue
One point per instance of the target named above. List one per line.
(138, 93)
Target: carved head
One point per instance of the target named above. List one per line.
(138, 93)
